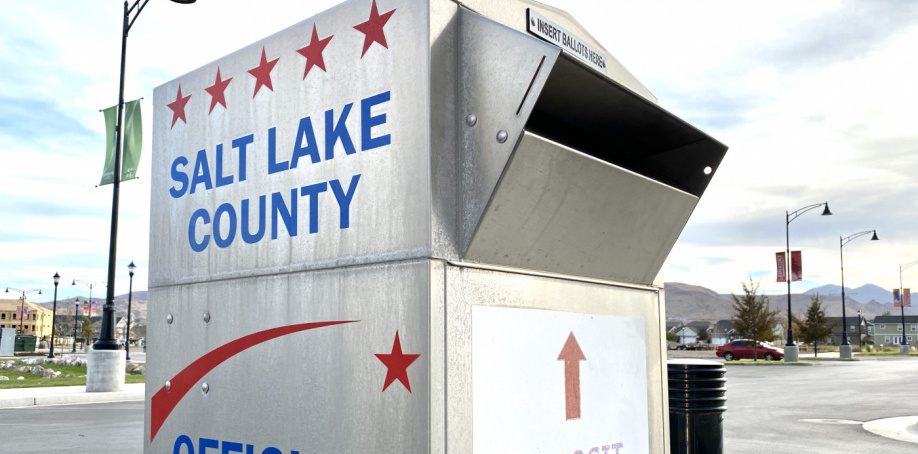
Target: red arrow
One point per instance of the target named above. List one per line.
(572, 355)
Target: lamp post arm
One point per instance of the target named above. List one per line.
(128, 12)
(848, 238)
(795, 214)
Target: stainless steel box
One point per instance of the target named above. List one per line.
(414, 226)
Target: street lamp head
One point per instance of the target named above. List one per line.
(74, 282)
(57, 279)
(131, 268)
(7, 290)
(39, 292)
(826, 211)
(875, 238)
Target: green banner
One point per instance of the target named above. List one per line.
(133, 141)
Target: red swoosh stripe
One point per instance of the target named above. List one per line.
(164, 401)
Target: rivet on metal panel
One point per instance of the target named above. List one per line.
(502, 136)
(532, 21)
(206, 317)
(169, 319)
(708, 170)
(471, 120)
(168, 385)
(205, 388)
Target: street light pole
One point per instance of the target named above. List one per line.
(904, 346)
(76, 310)
(844, 350)
(57, 280)
(88, 285)
(127, 335)
(106, 335)
(22, 298)
(96, 380)
(790, 350)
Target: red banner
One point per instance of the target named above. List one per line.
(907, 297)
(781, 258)
(796, 266)
(85, 308)
(18, 313)
(92, 311)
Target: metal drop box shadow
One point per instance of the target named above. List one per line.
(498, 281)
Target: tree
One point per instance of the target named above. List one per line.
(670, 336)
(88, 331)
(752, 319)
(886, 314)
(816, 327)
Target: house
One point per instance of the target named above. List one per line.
(888, 330)
(723, 332)
(121, 327)
(690, 332)
(852, 330)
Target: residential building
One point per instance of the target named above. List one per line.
(36, 323)
(723, 332)
(888, 330)
(852, 330)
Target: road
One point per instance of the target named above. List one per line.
(771, 409)
(108, 428)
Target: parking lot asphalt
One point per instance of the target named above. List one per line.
(822, 408)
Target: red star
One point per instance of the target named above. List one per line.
(373, 28)
(262, 72)
(397, 364)
(313, 51)
(178, 107)
(216, 91)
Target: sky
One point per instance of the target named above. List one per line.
(816, 100)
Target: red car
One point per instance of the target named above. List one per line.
(743, 349)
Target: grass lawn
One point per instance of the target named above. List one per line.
(885, 354)
(36, 381)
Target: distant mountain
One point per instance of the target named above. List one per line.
(692, 302)
(864, 293)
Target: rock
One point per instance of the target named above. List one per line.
(4, 377)
(139, 370)
(24, 369)
(48, 373)
(20, 378)
(37, 370)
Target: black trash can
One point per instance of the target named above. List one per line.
(697, 401)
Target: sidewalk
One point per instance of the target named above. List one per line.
(58, 395)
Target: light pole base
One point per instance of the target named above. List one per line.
(904, 349)
(844, 351)
(105, 371)
(791, 353)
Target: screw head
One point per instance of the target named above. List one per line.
(205, 388)
(206, 317)
(168, 385)
(169, 319)
(502, 136)
(471, 119)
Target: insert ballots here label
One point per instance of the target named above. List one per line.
(549, 31)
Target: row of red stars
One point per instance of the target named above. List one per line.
(372, 29)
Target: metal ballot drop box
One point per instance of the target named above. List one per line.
(414, 226)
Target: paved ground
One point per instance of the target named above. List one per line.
(771, 409)
(819, 409)
(110, 428)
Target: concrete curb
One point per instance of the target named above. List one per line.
(29, 397)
